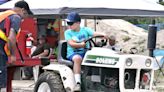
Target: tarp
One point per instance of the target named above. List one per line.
(159, 55)
(93, 8)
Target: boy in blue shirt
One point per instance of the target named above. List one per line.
(76, 36)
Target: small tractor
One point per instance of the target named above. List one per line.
(102, 70)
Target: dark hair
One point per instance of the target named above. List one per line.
(23, 4)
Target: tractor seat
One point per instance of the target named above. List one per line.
(62, 53)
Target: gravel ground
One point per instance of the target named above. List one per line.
(23, 85)
(160, 82)
(28, 85)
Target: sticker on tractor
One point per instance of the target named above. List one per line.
(101, 60)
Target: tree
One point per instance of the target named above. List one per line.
(161, 2)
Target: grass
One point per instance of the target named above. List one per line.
(160, 81)
(156, 73)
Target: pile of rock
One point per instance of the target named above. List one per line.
(128, 35)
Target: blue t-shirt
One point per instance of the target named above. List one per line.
(79, 36)
(15, 21)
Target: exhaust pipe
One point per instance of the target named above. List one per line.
(152, 38)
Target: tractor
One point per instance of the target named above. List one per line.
(102, 70)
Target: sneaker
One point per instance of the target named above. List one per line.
(77, 87)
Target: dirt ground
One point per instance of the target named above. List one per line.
(159, 81)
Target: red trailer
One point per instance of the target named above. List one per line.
(36, 27)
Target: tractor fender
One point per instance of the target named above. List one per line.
(66, 74)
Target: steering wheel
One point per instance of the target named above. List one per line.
(92, 42)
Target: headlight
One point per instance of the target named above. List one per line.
(129, 61)
(148, 62)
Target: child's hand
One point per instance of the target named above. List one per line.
(83, 44)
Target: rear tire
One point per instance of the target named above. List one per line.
(49, 82)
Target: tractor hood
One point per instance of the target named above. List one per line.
(104, 57)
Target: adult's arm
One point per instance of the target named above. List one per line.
(12, 44)
(15, 21)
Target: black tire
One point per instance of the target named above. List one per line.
(52, 79)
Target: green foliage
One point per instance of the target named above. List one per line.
(145, 20)
(140, 21)
(161, 2)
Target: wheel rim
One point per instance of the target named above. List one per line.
(44, 87)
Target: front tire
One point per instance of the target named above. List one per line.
(49, 82)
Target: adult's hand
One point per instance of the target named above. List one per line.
(11, 60)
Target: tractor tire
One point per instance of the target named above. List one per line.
(49, 82)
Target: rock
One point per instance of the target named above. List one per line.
(127, 35)
(160, 41)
